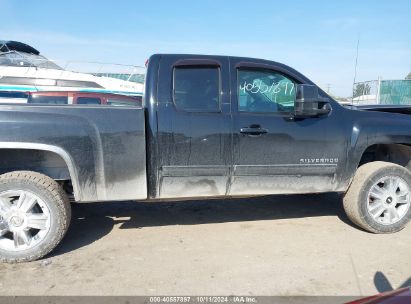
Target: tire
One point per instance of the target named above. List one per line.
(34, 216)
(379, 187)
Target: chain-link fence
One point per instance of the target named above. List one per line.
(388, 92)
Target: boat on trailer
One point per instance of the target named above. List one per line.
(24, 69)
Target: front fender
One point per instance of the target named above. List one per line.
(372, 128)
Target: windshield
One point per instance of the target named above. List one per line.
(14, 58)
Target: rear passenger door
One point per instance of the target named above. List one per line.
(194, 127)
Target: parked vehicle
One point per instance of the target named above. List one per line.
(24, 69)
(70, 97)
(400, 296)
(13, 97)
(211, 126)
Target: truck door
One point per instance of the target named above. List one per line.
(194, 127)
(273, 152)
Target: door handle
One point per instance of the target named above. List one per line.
(253, 130)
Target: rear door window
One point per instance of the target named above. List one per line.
(88, 100)
(48, 99)
(197, 89)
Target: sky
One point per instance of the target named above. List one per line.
(318, 38)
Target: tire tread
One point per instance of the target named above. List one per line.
(352, 197)
(59, 198)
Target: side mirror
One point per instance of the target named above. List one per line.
(309, 103)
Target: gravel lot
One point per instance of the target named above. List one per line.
(278, 245)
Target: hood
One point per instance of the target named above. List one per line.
(400, 109)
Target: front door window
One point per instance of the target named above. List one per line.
(265, 91)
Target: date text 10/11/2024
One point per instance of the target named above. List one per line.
(203, 299)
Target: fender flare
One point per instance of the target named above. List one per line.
(54, 149)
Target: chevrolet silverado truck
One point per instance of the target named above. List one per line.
(209, 126)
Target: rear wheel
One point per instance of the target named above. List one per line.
(34, 216)
(379, 197)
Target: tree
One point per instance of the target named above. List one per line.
(362, 89)
(408, 76)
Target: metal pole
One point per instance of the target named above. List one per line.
(355, 70)
(378, 90)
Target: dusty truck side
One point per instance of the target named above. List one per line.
(210, 126)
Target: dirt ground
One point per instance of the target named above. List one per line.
(279, 245)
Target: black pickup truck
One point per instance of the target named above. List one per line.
(210, 126)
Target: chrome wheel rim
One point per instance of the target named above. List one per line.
(389, 200)
(24, 220)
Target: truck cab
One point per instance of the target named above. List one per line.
(227, 126)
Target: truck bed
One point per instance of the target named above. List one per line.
(102, 149)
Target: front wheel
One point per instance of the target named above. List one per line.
(34, 216)
(379, 197)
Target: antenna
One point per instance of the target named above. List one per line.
(355, 69)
